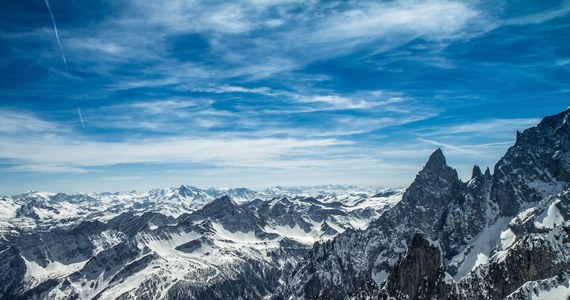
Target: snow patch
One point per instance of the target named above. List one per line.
(296, 233)
(550, 218)
(507, 238)
(559, 292)
(54, 269)
(379, 277)
(478, 250)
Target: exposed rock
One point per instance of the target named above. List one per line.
(415, 275)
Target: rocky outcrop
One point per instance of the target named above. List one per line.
(13, 272)
(416, 274)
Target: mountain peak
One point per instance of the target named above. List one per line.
(436, 159)
(423, 192)
(476, 172)
(556, 120)
(487, 173)
(224, 201)
(436, 167)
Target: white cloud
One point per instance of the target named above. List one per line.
(16, 122)
(46, 168)
(95, 44)
(434, 20)
(295, 33)
(170, 115)
(236, 89)
(461, 150)
(540, 17)
(63, 154)
(69, 152)
(253, 161)
(489, 128)
(167, 105)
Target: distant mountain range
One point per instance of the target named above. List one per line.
(180, 242)
(503, 234)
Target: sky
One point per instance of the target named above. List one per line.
(127, 94)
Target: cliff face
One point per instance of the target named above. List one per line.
(416, 274)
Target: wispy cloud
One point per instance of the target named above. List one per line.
(221, 159)
(59, 153)
(66, 152)
(294, 34)
(167, 115)
(490, 128)
(462, 150)
(540, 17)
(350, 88)
(18, 123)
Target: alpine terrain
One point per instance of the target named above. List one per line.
(503, 234)
(178, 243)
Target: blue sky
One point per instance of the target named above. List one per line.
(260, 93)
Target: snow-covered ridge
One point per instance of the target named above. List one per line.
(169, 241)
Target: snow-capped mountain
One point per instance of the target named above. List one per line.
(504, 235)
(501, 235)
(46, 209)
(177, 243)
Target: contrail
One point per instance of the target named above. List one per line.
(56, 34)
(80, 117)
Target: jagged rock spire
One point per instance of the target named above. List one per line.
(436, 167)
(431, 190)
(476, 172)
(436, 160)
(487, 173)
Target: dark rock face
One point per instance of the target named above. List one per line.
(233, 217)
(12, 276)
(431, 192)
(537, 165)
(486, 229)
(27, 210)
(415, 275)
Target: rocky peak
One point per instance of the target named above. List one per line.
(436, 167)
(487, 173)
(476, 172)
(433, 184)
(549, 130)
(224, 203)
(228, 213)
(187, 191)
(556, 121)
(424, 203)
(436, 160)
(536, 166)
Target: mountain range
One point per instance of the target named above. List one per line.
(180, 242)
(502, 234)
